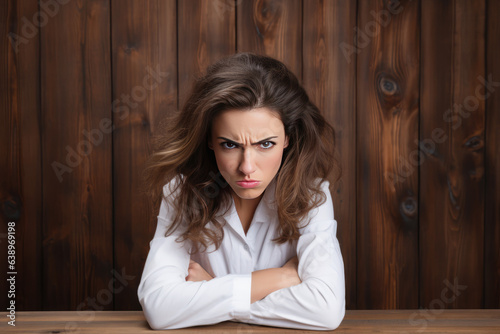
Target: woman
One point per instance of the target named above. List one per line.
(241, 171)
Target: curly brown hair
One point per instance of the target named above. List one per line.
(243, 81)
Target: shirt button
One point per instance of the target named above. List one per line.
(246, 247)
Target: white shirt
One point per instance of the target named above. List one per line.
(318, 303)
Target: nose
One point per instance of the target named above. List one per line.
(247, 165)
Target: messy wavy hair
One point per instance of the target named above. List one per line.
(243, 81)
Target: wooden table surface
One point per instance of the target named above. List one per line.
(355, 321)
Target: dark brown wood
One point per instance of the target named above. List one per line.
(144, 90)
(273, 28)
(492, 162)
(20, 172)
(387, 126)
(329, 77)
(206, 33)
(411, 231)
(75, 99)
(355, 321)
(452, 170)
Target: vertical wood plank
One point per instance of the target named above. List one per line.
(75, 95)
(144, 90)
(492, 160)
(387, 126)
(452, 171)
(272, 28)
(20, 173)
(330, 79)
(206, 34)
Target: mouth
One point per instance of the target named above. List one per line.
(248, 184)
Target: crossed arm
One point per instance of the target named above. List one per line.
(264, 281)
(171, 293)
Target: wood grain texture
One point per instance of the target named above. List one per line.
(206, 34)
(20, 173)
(330, 80)
(452, 173)
(272, 28)
(355, 321)
(492, 161)
(77, 215)
(387, 126)
(414, 221)
(144, 38)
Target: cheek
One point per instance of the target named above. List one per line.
(272, 162)
(225, 162)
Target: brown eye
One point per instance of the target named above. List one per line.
(227, 143)
(269, 144)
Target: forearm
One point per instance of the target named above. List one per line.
(266, 281)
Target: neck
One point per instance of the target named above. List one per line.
(246, 205)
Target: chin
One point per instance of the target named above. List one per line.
(250, 193)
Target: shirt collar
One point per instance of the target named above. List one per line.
(266, 209)
(269, 197)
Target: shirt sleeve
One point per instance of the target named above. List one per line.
(170, 302)
(318, 303)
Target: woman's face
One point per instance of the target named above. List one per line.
(248, 145)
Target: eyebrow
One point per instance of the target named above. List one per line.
(233, 142)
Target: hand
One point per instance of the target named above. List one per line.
(291, 272)
(196, 273)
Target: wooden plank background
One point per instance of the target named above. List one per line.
(411, 87)
(386, 128)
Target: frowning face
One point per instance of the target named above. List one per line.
(248, 145)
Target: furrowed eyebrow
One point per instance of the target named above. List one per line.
(236, 143)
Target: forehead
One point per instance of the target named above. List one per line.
(254, 121)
